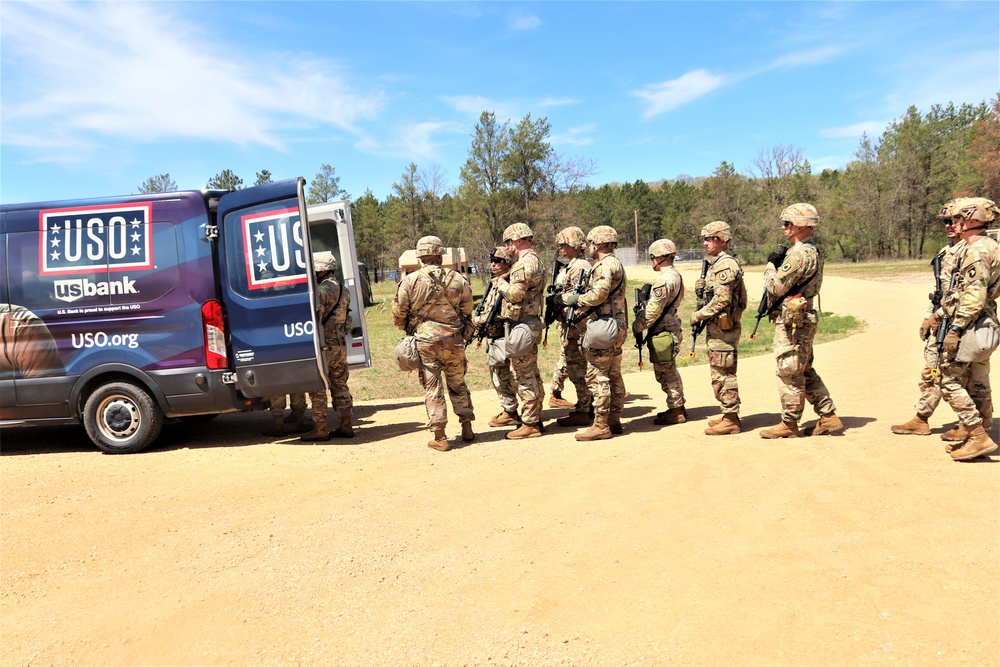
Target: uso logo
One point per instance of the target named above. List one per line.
(95, 238)
(273, 245)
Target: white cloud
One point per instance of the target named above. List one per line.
(558, 101)
(817, 56)
(523, 21)
(575, 136)
(474, 105)
(87, 73)
(669, 95)
(411, 142)
(874, 128)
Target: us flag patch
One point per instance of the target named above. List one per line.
(95, 238)
(272, 242)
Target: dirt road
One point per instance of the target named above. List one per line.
(220, 546)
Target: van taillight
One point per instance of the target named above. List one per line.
(215, 334)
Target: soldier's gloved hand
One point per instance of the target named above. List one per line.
(636, 328)
(699, 285)
(694, 318)
(776, 257)
(929, 326)
(951, 342)
(570, 299)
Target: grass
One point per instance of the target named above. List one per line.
(385, 380)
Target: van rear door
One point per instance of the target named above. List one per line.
(330, 228)
(268, 292)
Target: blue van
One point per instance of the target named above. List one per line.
(117, 313)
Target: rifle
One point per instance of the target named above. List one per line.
(763, 309)
(936, 295)
(641, 299)
(551, 311)
(482, 303)
(700, 300)
(490, 319)
(944, 325)
(571, 312)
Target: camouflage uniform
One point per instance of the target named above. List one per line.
(667, 290)
(435, 304)
(572, 363)
(798, 381)
(522, 294)
(333, 304)
(724, 281)
(976, 291)
(500, 373)
(297, 403)
(606, 296)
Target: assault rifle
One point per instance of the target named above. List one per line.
(764, 308)
(702, 297)
(482, 303)
(490, 319)
(937, 294)
(944, 325)
(641, 299)
(581, 280)
(551, 310)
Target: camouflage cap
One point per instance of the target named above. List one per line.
(602, 234)
(975, 208)
(571, 236)
(662, 248)
(324, 261)
(801, 215)
(429, 246)
(501, 254)
(717, 228)
(518, 230)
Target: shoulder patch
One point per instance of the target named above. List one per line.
(659, 291)
(723, 275)
(517, 276)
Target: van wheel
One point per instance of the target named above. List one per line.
(121, 418)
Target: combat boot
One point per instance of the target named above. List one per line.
(439, 441)
(715, 421)
(599, 430)
(673, 416)
(557, 401)
(525, 431)
(615, 423)
(782, 430)
(828, 424)
(979, 444)
(320, 432)
(575, 419)
(729, 423)
(916, 426)
(957, 434)
(467, 434)
(505, 419)
(277, 430)
(345, 430)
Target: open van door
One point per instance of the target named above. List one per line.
(330, 228)
(268, 290)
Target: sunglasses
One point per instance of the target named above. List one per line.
(786, 224)
(711, 238)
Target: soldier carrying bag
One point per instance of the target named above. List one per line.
(979, 340)
(602, 332)
(663, 346)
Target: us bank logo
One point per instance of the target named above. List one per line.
(273, 248)
(95, 238)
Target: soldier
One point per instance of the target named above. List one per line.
(603, 302)
(333, 310)
(726, 299)
(973, 298)
(435, 305)
(496, 357)
(796, 275)
(572, 363)
(930, 389)
(522, 295)
(660, 315)
(296, 419)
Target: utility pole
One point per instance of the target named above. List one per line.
(636, 212)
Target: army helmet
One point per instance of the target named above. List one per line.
(324, 261)
(662, 248)
(801, 215)
(518, 230)
(717, 228)
(947, 211)
(429, 246)
(573, 237)
(980, 209)
(501, 254)
(602, 234)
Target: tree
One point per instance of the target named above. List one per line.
(527, 165)
(483, 189)
(159, 183)
(325, 187)
(370, 238)
(984, 152)
(263, 176)
(225, 180)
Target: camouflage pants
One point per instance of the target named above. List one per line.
(573, 365)
(670, 382)
(298, 404)
(722, 369)
(343, 402)
(530, 389)
(503, 381)
(604, 380)
(798, 381)
(445, 356)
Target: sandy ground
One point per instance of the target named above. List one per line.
(220, 546)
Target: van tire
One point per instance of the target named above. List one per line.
(122, 418)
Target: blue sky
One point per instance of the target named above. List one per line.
(95, 98)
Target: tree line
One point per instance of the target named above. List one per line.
(881, 205)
